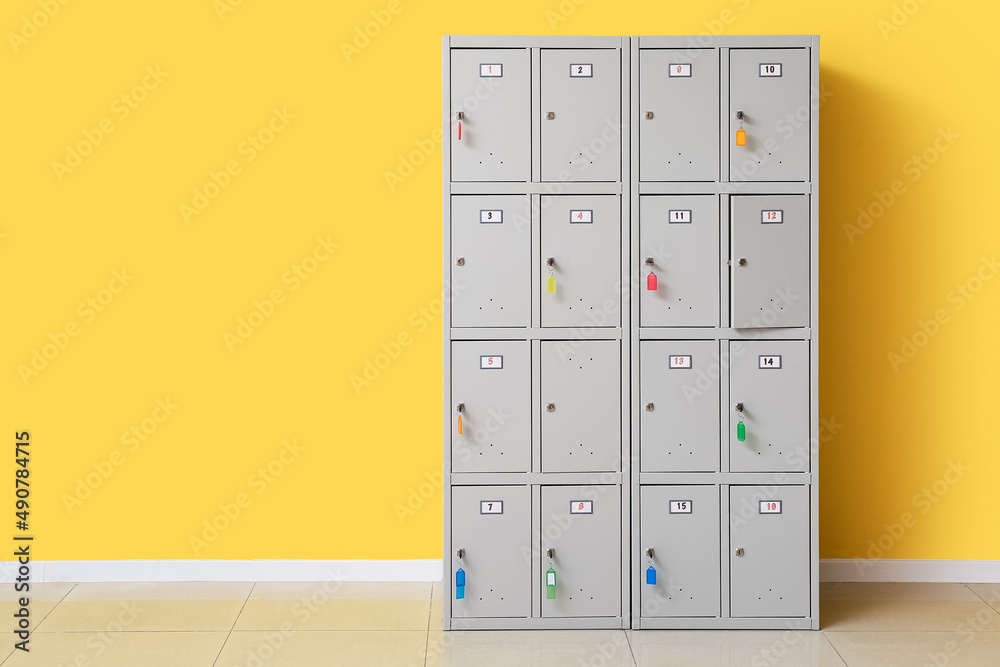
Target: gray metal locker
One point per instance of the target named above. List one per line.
(678, 114)
(582, 527)
(680, 525)
(491, 526)
(491, 108)
(581, 250)
(770, 265)
(769, 539)
(769, 392)
(679, 245)
(489, 382)
(581, 405)
(581, 115)
(491, 261)
(771, 89)
(679, 406)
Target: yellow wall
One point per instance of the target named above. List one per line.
(894, 88)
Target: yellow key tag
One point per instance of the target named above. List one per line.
(550, 285)
(741, 137)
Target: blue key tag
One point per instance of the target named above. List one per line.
(651, 575)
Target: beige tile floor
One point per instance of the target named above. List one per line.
(346, 624)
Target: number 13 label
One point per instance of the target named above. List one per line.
(680, 361)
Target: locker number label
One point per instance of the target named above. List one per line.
(581, 507)
(769, 362)
(489, 217)
(491, 507)
(491, 362)
(491, 69)
(770, 69)
(770, 507)
(581, 70)
(680, 69)
(581, 217)
(680, 361)
(770, 217)
(680, 507)
(679, 217)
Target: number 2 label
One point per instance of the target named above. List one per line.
(581, 70)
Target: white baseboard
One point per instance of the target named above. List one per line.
(832, 570)
(883, 569)
(227, 570)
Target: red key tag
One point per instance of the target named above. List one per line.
(651, 282)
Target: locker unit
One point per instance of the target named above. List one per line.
(536, 355)
(581, 560)
(580, 405)
(631, 338)
(679, 531)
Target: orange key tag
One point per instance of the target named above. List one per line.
(741, 137)
(460, 424)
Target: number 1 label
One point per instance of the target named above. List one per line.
(491, 69)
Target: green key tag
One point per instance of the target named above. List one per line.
(550, 284)
(550, 584)
(741, 431)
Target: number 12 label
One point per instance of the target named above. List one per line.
(771, 217)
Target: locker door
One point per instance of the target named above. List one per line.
(678, 115)
(681, 525)
(770, 268)
(583, 525)
(581, 241)
(491, 380)
(581, 115)
(581, 406)
(679, 406)
(679, 244)
(771, 381)
(491, 261)
(771, 88)
(491, 88)
(492, 524)
(770, 528)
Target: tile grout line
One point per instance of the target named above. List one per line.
(631, 651)
(427, 634)
(235, 621)
(830, 642)
(35, 629)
